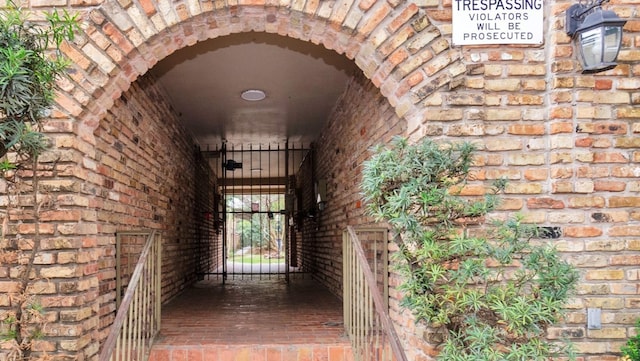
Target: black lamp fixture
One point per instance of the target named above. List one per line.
(232, 165)
(598, 33)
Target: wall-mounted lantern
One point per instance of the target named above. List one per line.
(321, 193)
(598, 35)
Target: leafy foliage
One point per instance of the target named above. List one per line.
(28, 75)
(485, 283)
(631, 350)
(252, 232)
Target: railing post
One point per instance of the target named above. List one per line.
(367, 322)
(158, 285)
(138, 317)
(118, 269)
(346, 296)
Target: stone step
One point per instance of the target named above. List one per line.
(273, 352)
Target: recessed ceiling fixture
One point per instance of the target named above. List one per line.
(253, 95)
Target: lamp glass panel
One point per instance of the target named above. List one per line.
(612, 38)
(591, 47)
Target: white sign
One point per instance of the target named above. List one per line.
(478, 22)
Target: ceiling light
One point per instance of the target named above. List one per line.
(253, 95)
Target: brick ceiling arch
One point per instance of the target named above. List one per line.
(394, 43)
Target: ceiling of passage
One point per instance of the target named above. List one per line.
(302, 82)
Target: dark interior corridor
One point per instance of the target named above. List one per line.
(264, 300)
(261, 201)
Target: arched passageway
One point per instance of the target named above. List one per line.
(316, 230)
(128, 129)
(186, 189)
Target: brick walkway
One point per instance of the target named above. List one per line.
(253, 320)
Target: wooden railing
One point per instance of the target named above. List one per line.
(366, 316)
(137, 320)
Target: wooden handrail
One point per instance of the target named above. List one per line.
(136, 335)
(358, 324)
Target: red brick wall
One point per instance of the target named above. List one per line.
(154, 177)
(361, 119)
(304, 210)
(144, 172)
(579, 176)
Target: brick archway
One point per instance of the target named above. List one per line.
(395, 44)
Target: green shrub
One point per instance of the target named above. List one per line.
(489, 289)
(28, 74)
(631, 351)
(29, 66)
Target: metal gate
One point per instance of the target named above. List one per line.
(257, 185)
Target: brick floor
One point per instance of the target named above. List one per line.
(253, 320)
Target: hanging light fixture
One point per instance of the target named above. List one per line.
(598, 34)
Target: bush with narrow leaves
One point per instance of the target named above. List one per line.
(29, 66)
(631, 350)
(28, 75)
(490, 290)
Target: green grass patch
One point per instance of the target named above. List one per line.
(254, 259)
